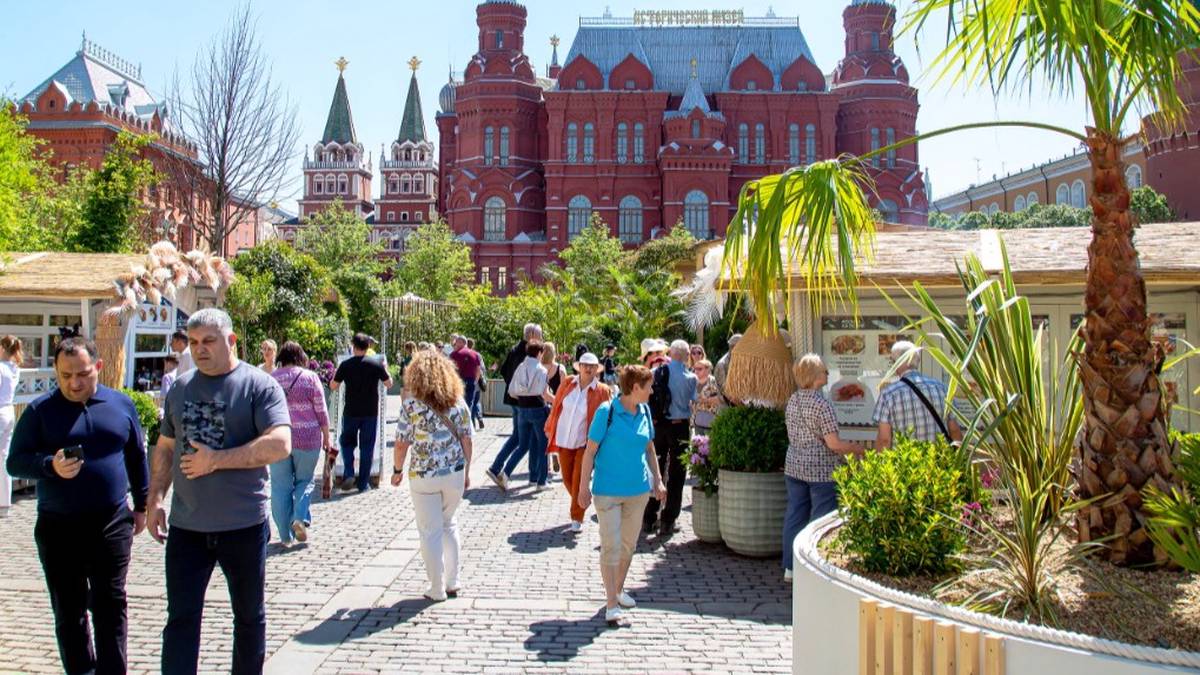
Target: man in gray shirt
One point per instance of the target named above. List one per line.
(223, 423)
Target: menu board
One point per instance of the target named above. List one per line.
(858, 355)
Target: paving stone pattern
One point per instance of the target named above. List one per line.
(350, 601)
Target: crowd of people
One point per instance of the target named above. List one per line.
(239, 444)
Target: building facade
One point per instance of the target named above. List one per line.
(658, 120)
(340, 170)
(1172, 158)
(79, 110)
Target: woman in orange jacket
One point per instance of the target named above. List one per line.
(575, 403)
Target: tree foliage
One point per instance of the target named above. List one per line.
(115, 217)
(22, 176)
(435, 265)
(337, 238)
(662, 253)
(1149, 206)
(587, 260)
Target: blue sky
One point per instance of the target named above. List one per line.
(305, 37)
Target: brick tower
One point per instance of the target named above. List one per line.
(408, 175)
(878, 108)
(1171, 159)
(339, 167)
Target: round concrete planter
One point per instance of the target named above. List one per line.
(706, 518)
(751, 509)
(826, 627)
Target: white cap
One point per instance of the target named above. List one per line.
(653, 345)
(588, 359)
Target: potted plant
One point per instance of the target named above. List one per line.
(747, 446)
(705, 516)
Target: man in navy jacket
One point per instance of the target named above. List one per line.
(84, 527)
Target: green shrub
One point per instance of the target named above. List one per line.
(748, 438)
(1174, 524)
(147, 410)
(899, 508)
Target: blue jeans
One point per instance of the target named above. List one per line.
(477, 405)
(807, 501)
(360, 431)
(470, 393)
(532, 422)
(512, 450)
(190, 558)
(291, 490)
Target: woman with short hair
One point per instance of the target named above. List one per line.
(292, 477)
(11, 358)
(621, 470)
(269, 351)
(814, 451)
(435, 424)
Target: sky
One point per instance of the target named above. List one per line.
(303, 38)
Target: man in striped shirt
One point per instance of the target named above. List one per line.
(914, 404)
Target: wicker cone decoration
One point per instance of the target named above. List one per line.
(110, 342)
(760, 369)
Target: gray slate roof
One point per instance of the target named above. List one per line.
(693, 98)
(87, 79)
(668, 51)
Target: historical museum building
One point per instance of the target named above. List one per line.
(340, 168)
(656, 120)
(79, 110)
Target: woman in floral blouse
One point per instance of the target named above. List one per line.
(814, 451)
(435, 423)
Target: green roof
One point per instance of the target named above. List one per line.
(412, 124)
(340, 125)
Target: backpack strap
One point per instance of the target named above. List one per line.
(929, 406)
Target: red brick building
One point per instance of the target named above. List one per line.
(80, 109)
(1172, 159)
(658, 119)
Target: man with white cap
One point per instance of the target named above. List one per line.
(654, 352)
(575, 404)
(914, 405)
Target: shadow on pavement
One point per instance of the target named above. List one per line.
(338, 628)
(540, 541)
(488, 494)
(560, 640)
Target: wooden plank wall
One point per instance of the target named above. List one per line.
(896, 641)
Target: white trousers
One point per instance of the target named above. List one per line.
(8, 421)
(434, 501)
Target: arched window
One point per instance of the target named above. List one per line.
(875, 146)
(391, 216)
(695, 214)
(1078, 197)
(1031, 199)
(793, 144)
(489, 145)
(1019, 203)
(589, 143)
(342, 185)
(330, 184)
(891, 154)
(579, 213)
(572, 143)
(993, 208)
(743, 143)
(760, 143)
(695, 128)
(810, 143)
(1063, 194)
(503, 146)
(622, 143)
(405, 184)
(630, 220)
(639, 143)
(1133, 176)
(493, 219)
(393, 185)
(888, 211)
(418, 184)
(318, 185)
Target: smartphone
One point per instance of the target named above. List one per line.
(73, 452)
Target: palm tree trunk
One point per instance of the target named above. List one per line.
(1124, 444)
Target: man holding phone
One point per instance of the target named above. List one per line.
(84, 445)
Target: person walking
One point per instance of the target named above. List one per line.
(555, 373)
(179, 345)
(435, 427)
(224, 423)
(84, 444)
(480, 389)
(469, 365)
(11, 358)
(709, 400)
(672, 436)
(270, 352)
(814, 451)
(292, 477)
(619, 467)
(170, 374)
(531, 333)
(609, 361)
(575, 403)
(529, 387)
(360, 413)
(914, 404)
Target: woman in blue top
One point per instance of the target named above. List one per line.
(621, 467)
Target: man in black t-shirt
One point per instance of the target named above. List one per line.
(360, 416)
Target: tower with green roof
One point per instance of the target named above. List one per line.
(409, 175)
(338, 167)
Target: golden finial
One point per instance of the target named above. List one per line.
(414, 63)
(553, 40)
(341, 64)
(695, 65)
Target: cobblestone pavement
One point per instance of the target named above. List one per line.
(350, 601)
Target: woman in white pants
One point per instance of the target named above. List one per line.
(10, 362)
(435, 423)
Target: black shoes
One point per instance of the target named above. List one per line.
(667, 529)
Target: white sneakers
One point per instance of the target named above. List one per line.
(436, 594)
(576, 527)
(626, 600)
(613, 615)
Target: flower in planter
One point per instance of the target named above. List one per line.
(696, 460)
(970, 512)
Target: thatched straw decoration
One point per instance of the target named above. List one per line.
(164, 273)
(760, 369)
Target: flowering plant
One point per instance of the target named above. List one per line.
(698, 464)
(324, 370)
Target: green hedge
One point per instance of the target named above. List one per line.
(147, 409)
(748, 438)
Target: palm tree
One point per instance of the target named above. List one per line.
(1120, 54)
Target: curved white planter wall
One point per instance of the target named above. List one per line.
(825, 617)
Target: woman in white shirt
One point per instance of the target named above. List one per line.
(11, 358)
(575, 403)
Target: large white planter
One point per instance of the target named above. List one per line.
(825, 626)
(706, 516)
(752, 507)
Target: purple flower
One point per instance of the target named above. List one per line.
(989, 477)
(695, 459)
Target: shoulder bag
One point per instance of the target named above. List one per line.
(929, 406)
